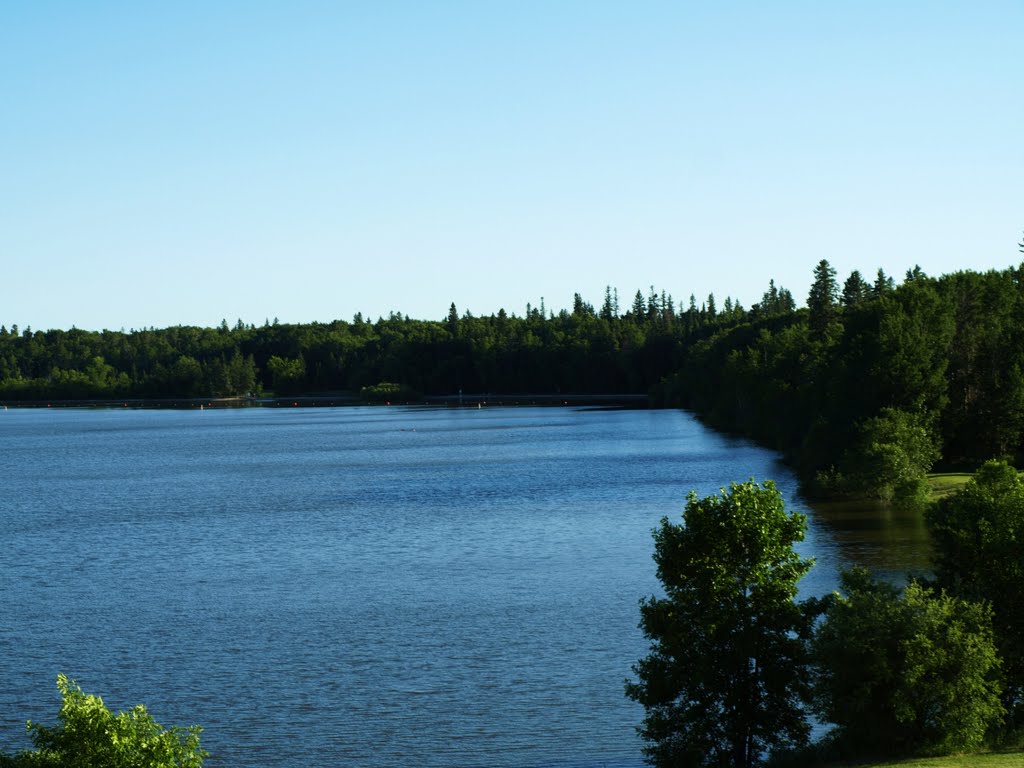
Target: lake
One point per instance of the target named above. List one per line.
(363, 586)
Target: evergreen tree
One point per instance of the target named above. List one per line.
(639, 307)
(786, 301)
(607, 308)
(770, 300)
(855, 289)
(823, 299)
(580, 307)
(915, 274)
(883, 284)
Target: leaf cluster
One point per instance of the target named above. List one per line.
(978, 534)
(911, 673)
(723, 682)
(88, 735)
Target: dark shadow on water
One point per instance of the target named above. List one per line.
(882, 537)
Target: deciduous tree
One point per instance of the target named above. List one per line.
(88, 735)
(726, 674)
(910, 673)
(978, 534)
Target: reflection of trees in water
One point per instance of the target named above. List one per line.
(881, 537)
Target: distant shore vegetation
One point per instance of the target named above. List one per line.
(865, 389)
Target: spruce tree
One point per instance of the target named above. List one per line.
(823, 299)
(855, 289)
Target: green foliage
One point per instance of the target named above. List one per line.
(893, 453)
(580, 352)
(809, 383)
(910, 673)
(823, 300)
(985, 416)
(978, 535)
(855, 290)
(387, 391)
(288, 375)
(726, 673)
(88, 735)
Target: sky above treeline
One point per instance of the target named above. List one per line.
(180, 163)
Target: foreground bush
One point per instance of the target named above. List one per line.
(911, 673)
(88, 735)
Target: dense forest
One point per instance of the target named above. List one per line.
(581, 351)
(864, 389)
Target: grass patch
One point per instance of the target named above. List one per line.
(987, 760)
(946, 483)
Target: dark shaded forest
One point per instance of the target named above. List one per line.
(863, 389)
(584, 351)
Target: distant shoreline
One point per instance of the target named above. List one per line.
(332, 400)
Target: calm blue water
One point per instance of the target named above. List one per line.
(351, 587)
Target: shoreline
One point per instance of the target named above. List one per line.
(334, 400)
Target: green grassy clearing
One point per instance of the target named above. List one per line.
(946, 483)
(989, 760)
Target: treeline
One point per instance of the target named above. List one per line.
(864, 389)
(583, 350)
(870, 385)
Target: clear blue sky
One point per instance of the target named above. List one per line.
(179, 163)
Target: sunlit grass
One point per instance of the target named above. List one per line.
(945, 483)
(989, 760)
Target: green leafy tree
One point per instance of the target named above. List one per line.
(726, 673)
(88, 735)
(978, 535)
(287, 374)
(894, 452)
(900, 674)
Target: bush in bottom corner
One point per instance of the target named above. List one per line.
(88, 735)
